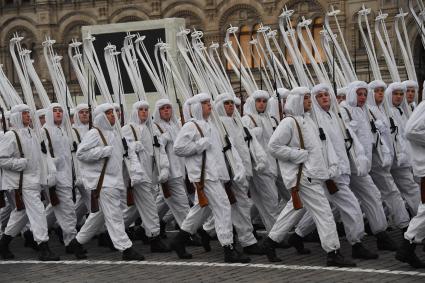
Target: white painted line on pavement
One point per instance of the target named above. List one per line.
(216, 264)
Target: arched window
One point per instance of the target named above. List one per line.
(244, 39)
(315, 29)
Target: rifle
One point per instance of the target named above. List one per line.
(54, 200)
(164, 186)
(423, 190)
(202, 198)
(74, 145)
(19, 202)
(296, 200)
(130, 196)
(96, 192)
(228, 185)
(3, 122)
(277, 93)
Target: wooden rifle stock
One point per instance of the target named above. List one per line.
(130, 196)
(94, 201)
(166, 189)
(331, 186)
(2, 201)
(19, 201)
(54, 200)
(423, 190)
(96, 193)
(229, 192)
(202, 198)
(296, 200)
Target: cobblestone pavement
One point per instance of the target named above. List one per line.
(104, 265)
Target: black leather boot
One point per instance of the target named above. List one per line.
(29, 240)
(384, 242)
(45, 254)
(232, 255)
(254, 249)
(406, 253)
(359, 251)
(270, 250)
(4, 247)
(205, 239)
(78, 249)
(158, 245)
(131, 254)
(178, 244)
(297, 242)
(335, 258)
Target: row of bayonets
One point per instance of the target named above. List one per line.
(200, 69)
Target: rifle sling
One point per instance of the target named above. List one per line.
(21, 153)
(253, 120)
(52, 154)
(300, 168)
(102, 173)
(77, 134)
(204, 156)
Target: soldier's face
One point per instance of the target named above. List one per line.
(229, 107)
(143, 114)
(42, 119)
(379, 95)
(340, 98)
(397, 97)
(110, 116)
(26, 118)
(165, 112)
(324, 100)
(84, 116)
(118, 111)
(206, 108)
(307, 102)
(260, 105)
(57, 115)
(361, 97)
(410, 94)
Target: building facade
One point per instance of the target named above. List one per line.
(62, 20)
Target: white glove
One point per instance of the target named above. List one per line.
(20, 164)
(203, 144)
(354, 125)
(107, 151)
(163, 175)
(138, 146)
(299, 156)
(260, 167)
(239, 176)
